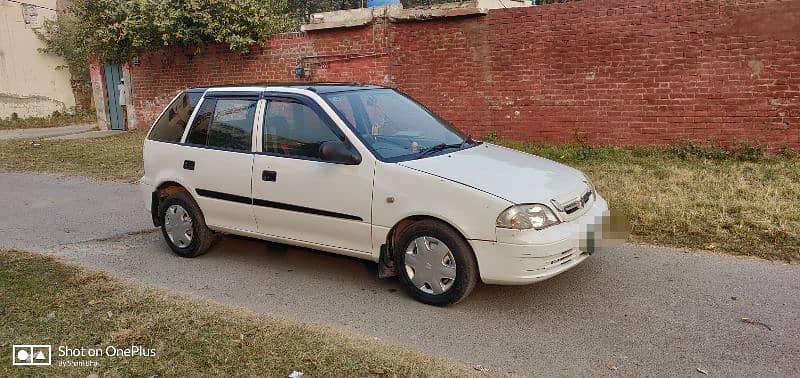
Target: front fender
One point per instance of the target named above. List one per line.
(402, 192)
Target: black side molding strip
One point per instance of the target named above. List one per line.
(302, 209)
(224, 196)
(274, 205)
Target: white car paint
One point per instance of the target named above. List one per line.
(467, 189)
(506, 173)
(345, 189)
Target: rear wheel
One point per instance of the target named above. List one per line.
(435, 264)
(184, 227)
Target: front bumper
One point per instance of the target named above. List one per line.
(521, 257)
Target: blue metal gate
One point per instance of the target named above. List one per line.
(113, 73)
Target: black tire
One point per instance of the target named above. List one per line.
(201, 236)
(466, 267)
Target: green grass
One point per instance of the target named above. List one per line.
(46, 302)
(740, 201)
(57, 119)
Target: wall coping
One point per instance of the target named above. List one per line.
(393, 13)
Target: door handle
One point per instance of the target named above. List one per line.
(188, 165)
(269, 175)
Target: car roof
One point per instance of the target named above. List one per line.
(321, 88)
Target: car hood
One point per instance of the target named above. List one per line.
(509, 174)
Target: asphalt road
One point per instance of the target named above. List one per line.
(45, 132)
(634, 310)
(38, 211)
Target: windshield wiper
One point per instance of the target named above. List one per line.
(443, 146)
(439, 147)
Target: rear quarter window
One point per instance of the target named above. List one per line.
(170, 126)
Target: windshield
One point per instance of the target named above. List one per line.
(393, 126)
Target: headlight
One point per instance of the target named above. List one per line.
(523, 217)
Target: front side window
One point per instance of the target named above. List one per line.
(170, 126)
(296, 130)
(395, 127)
(224, 123)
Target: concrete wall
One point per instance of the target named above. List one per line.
(619, 72)
(30, 85)
(502, 4)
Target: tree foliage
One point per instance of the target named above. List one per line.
(115, 30)
(65, 37)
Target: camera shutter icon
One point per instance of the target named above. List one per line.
(31, 355)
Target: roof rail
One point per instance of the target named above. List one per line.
(281, 84)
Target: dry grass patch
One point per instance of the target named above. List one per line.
(117, 157)
(46, 302)
(57, 119)
(740, 202)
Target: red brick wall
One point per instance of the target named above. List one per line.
(607, 72)
(160, 75)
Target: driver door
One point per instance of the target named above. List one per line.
(297, 195)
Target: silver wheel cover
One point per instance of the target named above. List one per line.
(178, 225)
(430, 265)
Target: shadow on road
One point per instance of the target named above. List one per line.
(308, 265)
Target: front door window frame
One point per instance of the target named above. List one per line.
(307, 101)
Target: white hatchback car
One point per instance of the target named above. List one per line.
(364, 171)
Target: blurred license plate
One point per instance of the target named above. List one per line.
(591, 246)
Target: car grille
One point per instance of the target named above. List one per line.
(571, 207)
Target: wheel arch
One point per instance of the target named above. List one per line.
(162, 191)
(387, 250)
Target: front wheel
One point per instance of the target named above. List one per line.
(184, 227)
(434, 263)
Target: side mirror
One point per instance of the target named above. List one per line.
(339, 152)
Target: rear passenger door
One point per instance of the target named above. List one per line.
(217, 159)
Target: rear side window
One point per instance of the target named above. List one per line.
(224, 123)
(170, 127)
(198, 134)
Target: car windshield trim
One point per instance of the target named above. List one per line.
(462, 140)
